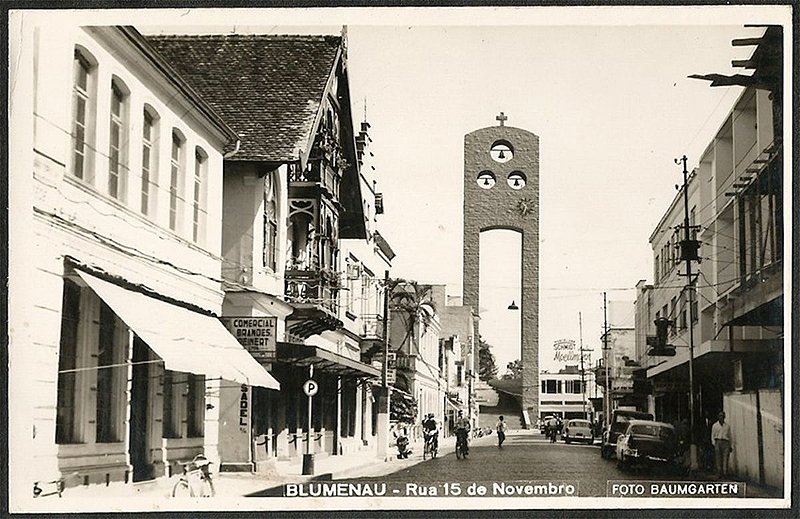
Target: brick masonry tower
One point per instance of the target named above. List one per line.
(501, 191)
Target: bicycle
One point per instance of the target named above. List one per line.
(196, 479)
(431, 447)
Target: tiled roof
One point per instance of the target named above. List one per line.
(268, 88)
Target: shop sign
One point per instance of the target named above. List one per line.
(565, 352)
(244, 407)
(622, 385)
(258, 335)
(391, 368)
(669, 386)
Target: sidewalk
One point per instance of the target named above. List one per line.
(235, 484)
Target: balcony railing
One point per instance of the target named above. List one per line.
(321, 172)
(316, 287)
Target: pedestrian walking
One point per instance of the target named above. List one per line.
(501, 428)
(721, 437)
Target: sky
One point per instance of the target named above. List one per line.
(606, 91)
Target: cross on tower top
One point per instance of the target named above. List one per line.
(502, 118)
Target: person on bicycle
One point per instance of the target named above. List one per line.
(430, 431)
(553, 429)
(462, 428)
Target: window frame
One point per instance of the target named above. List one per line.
(195, 406)
(110, 399)
(82, 61)
(117, 149)
(199, 188)
(148, 193)
(69, 428)
(176, 181)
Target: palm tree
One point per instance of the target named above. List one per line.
(412, 302)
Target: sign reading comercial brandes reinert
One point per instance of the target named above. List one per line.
(257, 334)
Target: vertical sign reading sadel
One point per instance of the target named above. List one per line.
(257, 334)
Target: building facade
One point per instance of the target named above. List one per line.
(564, 394)
(734, 306)
(302, 240)
(117, 225)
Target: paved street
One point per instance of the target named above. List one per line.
(530, 457)
(525, 457)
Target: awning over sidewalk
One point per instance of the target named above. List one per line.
(186, 340)
(306, 355)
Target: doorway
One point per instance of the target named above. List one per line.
(140, 426)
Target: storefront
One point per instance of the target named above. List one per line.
(160, 362)
(342, 409)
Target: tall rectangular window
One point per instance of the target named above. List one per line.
(270, 223)
(270, 226)
(66, 416)
(80, 114)
(174, 181)
(109, 370)
(147, 157)
(117, 172)
(198, 207)
(171, 413)
(196, 406)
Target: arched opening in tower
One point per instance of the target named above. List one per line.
(500, 289)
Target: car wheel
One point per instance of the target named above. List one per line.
(567, 441)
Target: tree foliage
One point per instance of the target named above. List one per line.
(414, 307)
(513, 370)
(487, 366)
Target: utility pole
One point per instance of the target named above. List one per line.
(583, 380)
(606, 367)
(384, 399)
(689, 249)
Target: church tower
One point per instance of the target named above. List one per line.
(501, 191)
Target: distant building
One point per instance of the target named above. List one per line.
(564, 394)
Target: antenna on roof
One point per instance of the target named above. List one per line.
(365, 108)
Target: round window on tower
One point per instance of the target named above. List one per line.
(517, 180)
(501, 151)
(486, 179)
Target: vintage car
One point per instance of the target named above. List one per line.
(578, 430)
(646, 441)
(619, 423)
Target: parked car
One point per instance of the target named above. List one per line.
(646, 441)
(619, 423)
(578, 430)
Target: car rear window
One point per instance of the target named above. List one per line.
(579, 423)
(652, 430)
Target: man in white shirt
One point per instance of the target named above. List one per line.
(721, 438)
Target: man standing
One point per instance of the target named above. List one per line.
(721, 438)
(501, 432)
